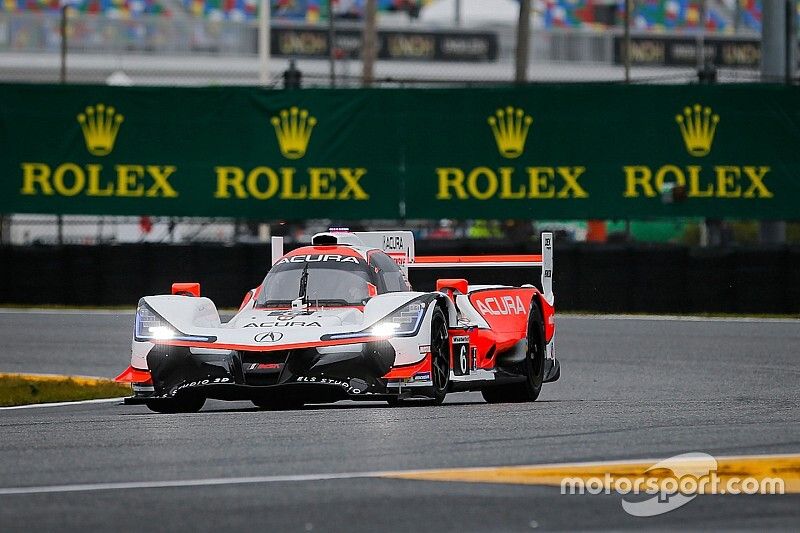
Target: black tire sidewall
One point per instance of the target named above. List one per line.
(184, 404)
(536, 338)
(440, 392)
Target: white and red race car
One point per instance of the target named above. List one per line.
(338, 320)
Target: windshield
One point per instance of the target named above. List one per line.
(332, 280)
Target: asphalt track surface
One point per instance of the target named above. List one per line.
(630, 389)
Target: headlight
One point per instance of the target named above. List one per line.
(404, 321)
(150, 326)
(385, 329)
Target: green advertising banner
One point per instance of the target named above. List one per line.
(550, 151)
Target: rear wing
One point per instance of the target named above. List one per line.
(399, 245)
(545, 261)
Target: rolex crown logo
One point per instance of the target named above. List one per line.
(100, 125)
(510, 128)
(698, 126)
(293, 130)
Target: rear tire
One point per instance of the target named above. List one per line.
(185, 404)
(532, 367)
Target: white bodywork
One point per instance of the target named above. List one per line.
(288, 328)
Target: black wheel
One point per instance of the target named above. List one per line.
(183, 404)
(440, 363)
(440, 357)
(532, 367)
(273, 404)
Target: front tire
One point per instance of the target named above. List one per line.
(440, 363)
(440, 357)
(532, 367)
(184, 404)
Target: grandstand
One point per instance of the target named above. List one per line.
(725, 16)
(116, 9)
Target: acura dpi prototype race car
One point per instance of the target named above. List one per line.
(338, 320)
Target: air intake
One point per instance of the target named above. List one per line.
(333, 238)
(324, 239)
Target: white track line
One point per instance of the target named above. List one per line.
(61, 404)
(88, 487)
(209, 482)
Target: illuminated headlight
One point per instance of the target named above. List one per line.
(161, 332)
(404, 321)
(385, 329)
(150, 326)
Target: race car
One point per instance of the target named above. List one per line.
(338, 320)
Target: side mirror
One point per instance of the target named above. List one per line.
(186, 289)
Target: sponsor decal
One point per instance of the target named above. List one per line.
(665, 50)
(697, 125)
(265, 366)
(501, 306)
(510, 127)
(293, 129)
(447, 45)
(393, 242)
(202, 382)
(331, 381)
(461, 360)
(100, 124)
(321, 258)
(400, 258)
(269, 336)
(282, 324)
(264, 183)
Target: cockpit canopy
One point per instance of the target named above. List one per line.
(333, 276)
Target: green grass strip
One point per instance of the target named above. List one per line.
(24, 389)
